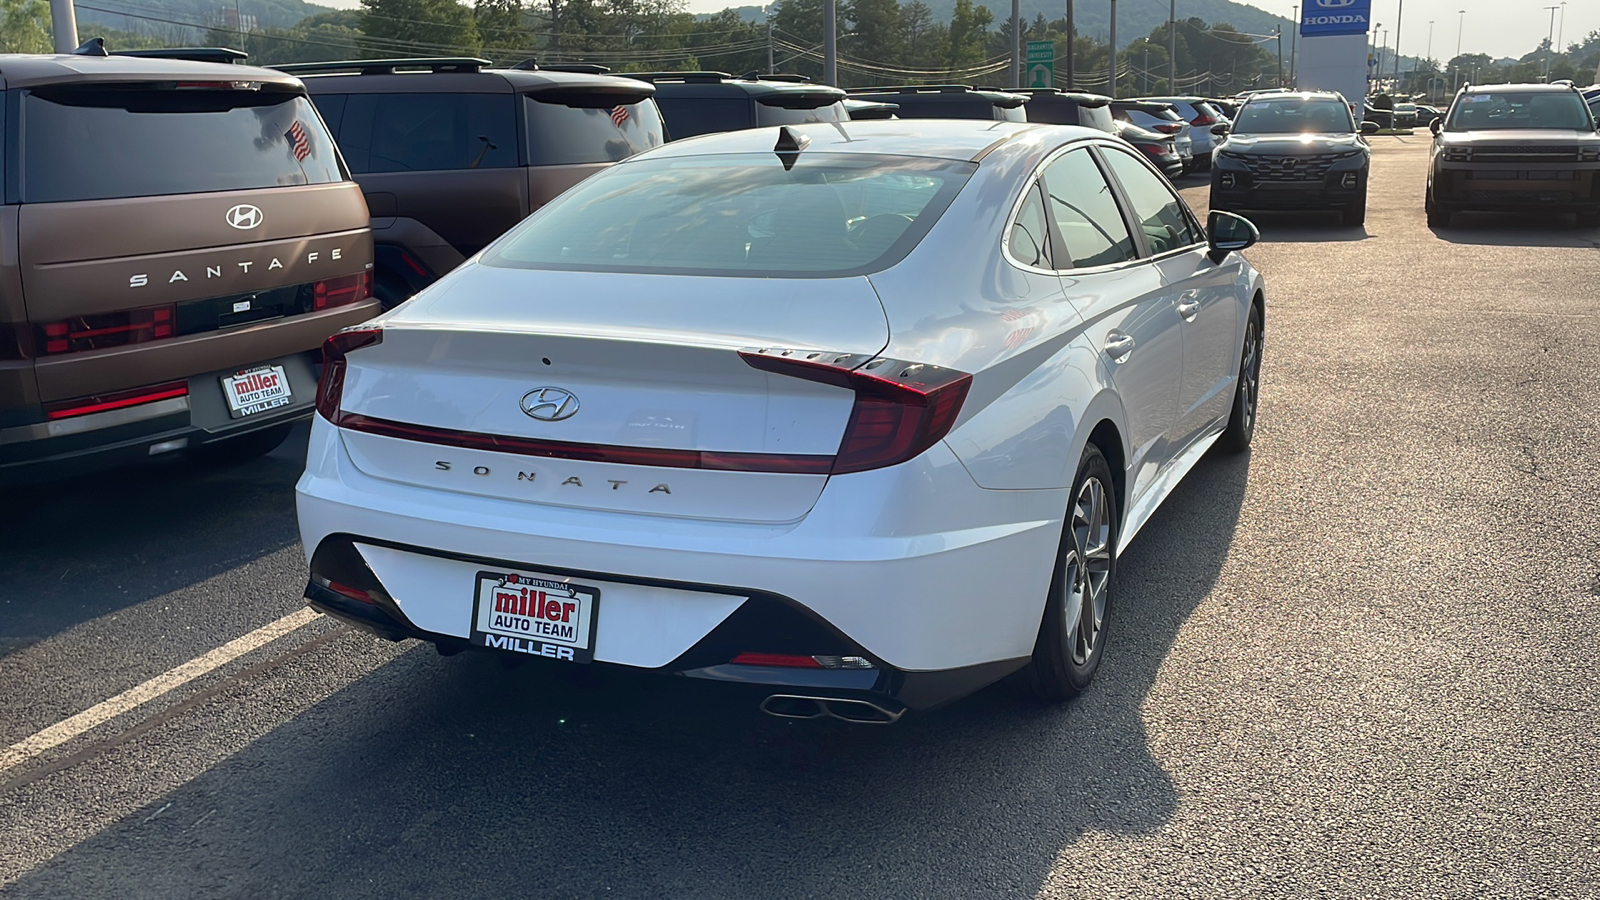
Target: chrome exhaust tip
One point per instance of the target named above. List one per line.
(860, 712)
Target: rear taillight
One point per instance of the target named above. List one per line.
(341, 291)
(901, 408)
(133, 326)
(330, 388)
(1204, 120)
(83, 406)
(1155, 150)
(1168, 127)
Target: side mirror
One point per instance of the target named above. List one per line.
(1369, 127)
(1228, 233)
(1220, 128)
(1436, 126)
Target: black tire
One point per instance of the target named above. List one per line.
(1355, 215)
(245, 447)
(1065, 658)
(1247, 393)
(1438, 216)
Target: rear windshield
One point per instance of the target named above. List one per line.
(690, 116)
(1098, 117)
(561, 135)
(1562, 110)
(1293, 115)
(957, 109)
(777, 115)
(743, 214)
(101, 143)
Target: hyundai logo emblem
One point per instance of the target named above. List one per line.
(550, 404)
(245, 217)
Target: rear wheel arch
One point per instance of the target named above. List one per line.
(1108, 438)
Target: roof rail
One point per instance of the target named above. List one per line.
(774, 76)
(917, 89)
(192, 54)
(686, 77)
(388, 66)
(579, 68)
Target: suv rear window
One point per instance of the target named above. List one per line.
(100, 142)
(428, 132)
(744, 214)
(568, 135)
(691, 116)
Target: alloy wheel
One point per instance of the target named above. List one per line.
(1250, 375)
(1087, 571)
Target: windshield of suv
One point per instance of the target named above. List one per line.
(1561, 110)
(1294, 115)
(97, 142)
(739, 214)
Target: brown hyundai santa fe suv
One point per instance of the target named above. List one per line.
(177, 240)
(451, 152)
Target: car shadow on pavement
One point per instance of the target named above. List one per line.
(1499, 229)
(460, 777)
(76, 549)
(1304, 227)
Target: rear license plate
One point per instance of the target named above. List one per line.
(256, 390)
(535, 615)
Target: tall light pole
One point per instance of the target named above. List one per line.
(1399, 21)
(1460, 24)
(1561, 30)
(1113, 90)
(63, 25)
(1433, 72)
(1294, 40)
(1549, 53)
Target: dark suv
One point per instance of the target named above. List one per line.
(695, 103)
(451, 153)
(180, 238)
(948, 101)
(1057, 107)
(1298, 150)
(1515, 146)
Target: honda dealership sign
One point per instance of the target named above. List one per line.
(1328, 17)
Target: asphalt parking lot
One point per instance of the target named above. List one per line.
(1358, 662)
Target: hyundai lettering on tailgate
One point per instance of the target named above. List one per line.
(533, 615)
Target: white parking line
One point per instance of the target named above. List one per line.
(102, 712)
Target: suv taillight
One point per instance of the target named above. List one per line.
(1168, 127)
(901, 408)
(341, 291)
(330, 388)
(1203, 120)
(133, 326)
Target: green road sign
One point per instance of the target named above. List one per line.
(1041, 70)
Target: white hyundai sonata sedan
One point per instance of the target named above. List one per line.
(860, 413)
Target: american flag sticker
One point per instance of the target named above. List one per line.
(619, 114)
(299, 144)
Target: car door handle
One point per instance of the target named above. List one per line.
(1188, 309)
(1118, 346)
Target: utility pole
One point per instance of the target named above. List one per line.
(770, 67)
(1016, 43)
(1280, 57)
(1172, 48)
(1113, 89)
(1432, 66)
(64, 25)
(1072, 40)
(830, 42)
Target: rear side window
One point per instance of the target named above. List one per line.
(429, 132)
(1086, 214)
(106, 141)
(739, 214)
(560, 135)
(691, 116)
(1030, 233)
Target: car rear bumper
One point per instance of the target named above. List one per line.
(103, 440)
(939, 583)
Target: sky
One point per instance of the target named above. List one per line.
(1496, 27)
